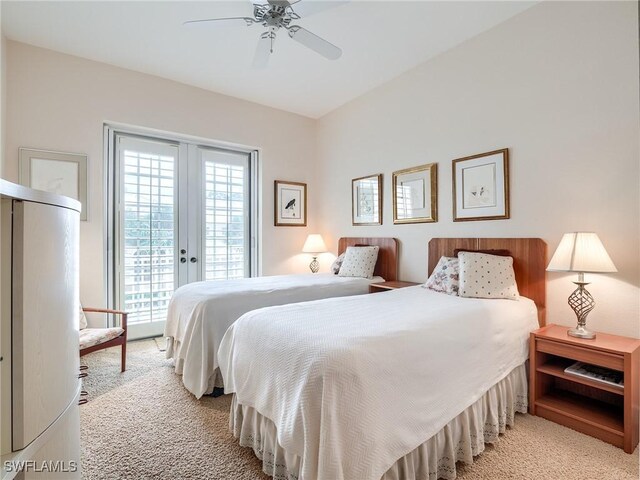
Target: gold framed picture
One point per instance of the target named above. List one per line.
(290, 204)
(366, 200)
(481, 186)
(415, 194)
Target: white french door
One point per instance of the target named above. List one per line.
(183, 213)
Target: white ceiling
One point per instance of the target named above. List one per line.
(379, 39)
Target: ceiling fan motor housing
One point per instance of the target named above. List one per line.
(274, 15)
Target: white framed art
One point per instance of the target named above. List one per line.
(481, 186)
(55, 172)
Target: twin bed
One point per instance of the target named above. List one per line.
(395, 385)
(200, 313)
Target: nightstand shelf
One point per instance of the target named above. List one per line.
(556, 368)
(384, 286)
(579, 407)
(598, 409)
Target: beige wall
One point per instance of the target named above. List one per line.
(3, 99)
(558, 86)
(60, 102)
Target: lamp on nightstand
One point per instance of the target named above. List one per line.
(581, 252)
(314, 245)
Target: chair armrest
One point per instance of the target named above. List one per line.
(103, 310)
(123, 315)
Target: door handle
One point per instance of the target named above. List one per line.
(182, 251)
(193, 259)
(183, 260)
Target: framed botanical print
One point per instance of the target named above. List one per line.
(55, 172)
(290, 204)
(481, 186)
(366, 203)
(415, 194)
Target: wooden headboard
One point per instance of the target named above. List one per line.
(387, 264)
(529, 262)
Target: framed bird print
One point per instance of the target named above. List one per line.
(290, 204)
(481, 186)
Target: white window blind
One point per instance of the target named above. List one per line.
(226, 215)
(148, 228)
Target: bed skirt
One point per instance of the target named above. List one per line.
(171, 351)
(459, 441)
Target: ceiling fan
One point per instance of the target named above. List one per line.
(277, 14)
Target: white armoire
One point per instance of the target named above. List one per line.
(39, 306)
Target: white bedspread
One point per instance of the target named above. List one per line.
(200, 313)
(353, 384)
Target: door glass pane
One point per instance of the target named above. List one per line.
(226, 216)
(148, 231)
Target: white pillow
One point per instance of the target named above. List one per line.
(82, 321)
(359, 262)
(444, 277)
(487, 276)
(337, 263)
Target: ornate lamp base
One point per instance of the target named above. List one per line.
(582, 303)
(314, 265)
(581, 332)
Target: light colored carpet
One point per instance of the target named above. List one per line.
(143, 424)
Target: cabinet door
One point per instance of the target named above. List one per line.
(44, 318)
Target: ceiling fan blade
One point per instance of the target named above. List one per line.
(311, 7)
(314, 42)
(247, 20)
(263, 51)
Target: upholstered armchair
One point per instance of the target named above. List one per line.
(93, 339)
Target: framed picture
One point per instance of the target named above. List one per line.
(366, 206)
(290, 204)
(481, 186)
(415, 194)
(56, 172)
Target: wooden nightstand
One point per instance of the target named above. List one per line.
(607, 412)
(384, 286)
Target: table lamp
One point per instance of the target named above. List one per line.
(581, 252)
(314, 245)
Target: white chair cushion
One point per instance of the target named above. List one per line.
(95, 336)
(83, 319)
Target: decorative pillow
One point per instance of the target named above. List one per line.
(444, 277)
(487, 276)
(337, 263)
(499, 252)
(359, 262)
(82, 320)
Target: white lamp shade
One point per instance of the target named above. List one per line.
(581, 252)
(314, 244)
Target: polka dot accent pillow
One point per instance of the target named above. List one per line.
(337, 263)
(487, 276)
(444, 277)
(359, 262)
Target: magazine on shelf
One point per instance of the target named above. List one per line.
(599, 374)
